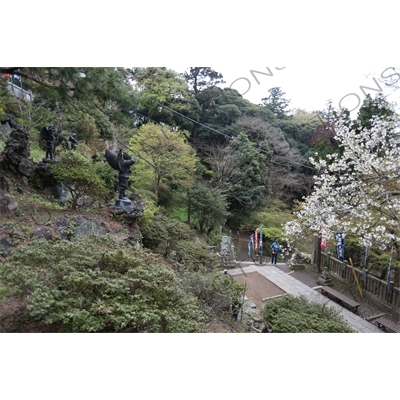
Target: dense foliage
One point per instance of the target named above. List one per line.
(96, 284)
(290, 314)
(208, 207)
(171, 160)
(80, 177)
(212, 158)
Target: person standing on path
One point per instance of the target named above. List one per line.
(275, 250)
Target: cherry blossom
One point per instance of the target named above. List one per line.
(357, 190)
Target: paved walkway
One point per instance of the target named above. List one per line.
(296, 288)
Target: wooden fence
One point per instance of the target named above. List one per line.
(375, 287)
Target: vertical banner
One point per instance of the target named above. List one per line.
(256, 240)
(324, 240)
(340, 248)
(250, 248)
(261, 243)
(389, 287)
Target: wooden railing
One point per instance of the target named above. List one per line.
(370, 285)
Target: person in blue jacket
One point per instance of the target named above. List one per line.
(275, 250)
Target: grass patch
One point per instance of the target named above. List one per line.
(178, 213)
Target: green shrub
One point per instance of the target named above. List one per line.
(162, 234)
(176, 242)
(179, 213)
(106, 175)
(216, 292)
(79, 176)
(195, 256)
(216, 240)
(96, 284)
(290, 314)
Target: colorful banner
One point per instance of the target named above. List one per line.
(256, 240)
(389, 287)
(250, 248)
(340, 246)
(324, 240)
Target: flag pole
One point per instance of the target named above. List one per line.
(355, 278)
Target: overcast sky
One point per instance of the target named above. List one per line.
(310, 87)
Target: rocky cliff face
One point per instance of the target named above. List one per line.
(25, 226)
(16, 157)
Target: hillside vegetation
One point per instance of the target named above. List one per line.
(209, 162)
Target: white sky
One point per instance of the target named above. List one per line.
(310, 87)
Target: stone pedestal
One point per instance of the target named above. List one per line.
(123, 202)
(47, 160)
(325, 279)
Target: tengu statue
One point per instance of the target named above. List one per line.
(121, 163)
(73, 140)
(49, 135)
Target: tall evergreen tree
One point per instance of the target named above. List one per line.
(276, 102)
(201, 78)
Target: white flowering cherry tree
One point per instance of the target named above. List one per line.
(357, 190)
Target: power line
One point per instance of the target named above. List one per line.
(231, 137)
(192, 120)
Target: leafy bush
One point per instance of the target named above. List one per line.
(209, 207)
(176, 242)
(215, 240)
(96, 284)
(195, 256)
(162, 234)
(79, 176)
(290, 314)
(150, 202)
(216, 292)
(179, 213)
(106, 174)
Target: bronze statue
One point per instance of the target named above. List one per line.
(49, 135)
(121, 163)
(73, 141)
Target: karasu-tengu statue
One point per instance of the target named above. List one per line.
(48, 133)
(121, 163)
(73, 140)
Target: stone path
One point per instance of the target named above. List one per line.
(296, 288)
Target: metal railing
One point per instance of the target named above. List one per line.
(19, 92)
